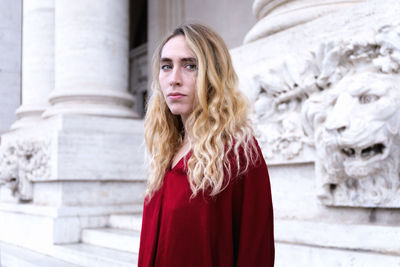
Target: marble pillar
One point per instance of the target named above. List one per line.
(10, 61)
(91, 59)
(37, 61)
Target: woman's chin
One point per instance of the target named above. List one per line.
(179, 112)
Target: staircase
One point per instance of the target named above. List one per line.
(115, 245)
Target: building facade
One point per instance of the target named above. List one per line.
(74, 79)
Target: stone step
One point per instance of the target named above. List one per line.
(13, 256)
(373, 238)
(90, 256)
(71, 255)
(119, 239)
(126, 221)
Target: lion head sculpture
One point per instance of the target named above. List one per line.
(21, 162)
(344, 100)
(355, 125)
(354, 121)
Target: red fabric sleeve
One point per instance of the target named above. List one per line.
(253, 217)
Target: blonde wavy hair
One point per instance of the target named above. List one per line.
(218, 125)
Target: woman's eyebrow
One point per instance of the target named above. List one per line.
(165, 60)
(184, 60)
(189, 59)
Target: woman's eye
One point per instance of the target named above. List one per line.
(191, 67)
(367, 98)
(165, 67)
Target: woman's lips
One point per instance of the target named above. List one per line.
(175, 96)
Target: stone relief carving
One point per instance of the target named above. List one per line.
(355, 124)
(346, 100)
(277, 107)
(22, 161)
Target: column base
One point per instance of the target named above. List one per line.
(107, 103)
(28, 115)
(275, 17)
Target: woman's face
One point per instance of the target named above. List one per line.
(177, 78)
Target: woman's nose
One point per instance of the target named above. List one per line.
(176, 77)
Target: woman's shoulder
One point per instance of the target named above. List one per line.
(249, 146)
(245, 155)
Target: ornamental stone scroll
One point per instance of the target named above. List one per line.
(22, 161)
(345, 100)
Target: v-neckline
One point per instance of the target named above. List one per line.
(180, 160)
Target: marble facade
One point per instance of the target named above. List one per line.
(324, 88)
(323, 77)
(75, 154)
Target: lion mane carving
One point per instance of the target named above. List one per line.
(355, 121)
(345, 102)
(22, 161)
(356, 133)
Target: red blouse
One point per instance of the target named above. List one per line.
(234, 228)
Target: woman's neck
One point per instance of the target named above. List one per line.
(185, 135)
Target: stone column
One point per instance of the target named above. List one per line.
(91, 59)
(10, 61)
(278, 15)
(37, 60)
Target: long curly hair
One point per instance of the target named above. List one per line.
(218, 125)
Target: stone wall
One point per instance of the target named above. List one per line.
(326, 109)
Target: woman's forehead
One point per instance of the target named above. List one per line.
(177, 47)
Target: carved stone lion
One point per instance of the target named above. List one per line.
(21, 161)
(354, 121)
(345, 102)
(356, 132)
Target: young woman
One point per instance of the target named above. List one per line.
(208, 201)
